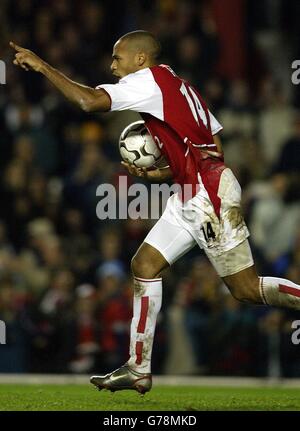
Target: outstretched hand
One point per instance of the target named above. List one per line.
(26, 58)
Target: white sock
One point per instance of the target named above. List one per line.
(279, 292)
(146, 305)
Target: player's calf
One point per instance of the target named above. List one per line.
(146, 267)
(280, 292)
(246, 286)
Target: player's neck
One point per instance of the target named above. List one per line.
(148, 64)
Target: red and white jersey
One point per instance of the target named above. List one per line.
(178, 120)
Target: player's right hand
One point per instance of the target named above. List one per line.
(26, 58)
(134, 170)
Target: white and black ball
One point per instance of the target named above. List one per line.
(137, 146)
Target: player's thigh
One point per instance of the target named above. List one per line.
(236, 268)
(231, 261)
(170, 239)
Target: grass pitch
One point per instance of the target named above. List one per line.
(165, 398)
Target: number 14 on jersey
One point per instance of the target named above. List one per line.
(194, 104)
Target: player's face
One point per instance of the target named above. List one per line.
(124, 60)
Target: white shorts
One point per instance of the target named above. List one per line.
(183, 225)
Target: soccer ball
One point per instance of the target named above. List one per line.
(137, 146)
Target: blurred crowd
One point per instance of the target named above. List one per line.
(65, 284)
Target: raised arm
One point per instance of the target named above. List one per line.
(87, 98)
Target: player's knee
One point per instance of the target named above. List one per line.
(248, 292)
(142, 266)
(244, 285)
(241, 294)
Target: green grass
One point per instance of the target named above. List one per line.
(183, 398)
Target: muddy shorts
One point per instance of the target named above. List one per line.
(224, 238)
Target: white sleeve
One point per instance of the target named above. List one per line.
(136, 92)
(214, 124)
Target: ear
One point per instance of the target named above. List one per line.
(141, 58)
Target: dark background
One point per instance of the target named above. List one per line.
(65, 286)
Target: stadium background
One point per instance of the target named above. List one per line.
(65, 287)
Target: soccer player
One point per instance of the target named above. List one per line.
(187, 133)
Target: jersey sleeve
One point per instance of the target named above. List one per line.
(214, 124)
(136, 92)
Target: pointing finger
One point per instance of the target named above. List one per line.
(16, 47)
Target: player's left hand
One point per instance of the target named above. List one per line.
(134, 170)
(26, 58)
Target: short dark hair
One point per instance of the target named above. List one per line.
(144, 40)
